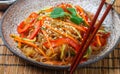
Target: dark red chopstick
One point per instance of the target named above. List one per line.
(88, 32)
(75, 62)
(86, 42)
(98, 26)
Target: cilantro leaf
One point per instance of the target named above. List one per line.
(76, 19)
(72, 11)
(57, 12)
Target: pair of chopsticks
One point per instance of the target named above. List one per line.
(90, 34)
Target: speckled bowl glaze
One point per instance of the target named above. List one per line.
(22, 8)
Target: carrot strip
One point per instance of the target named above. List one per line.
(64, 34)
(19, 44)
(18, 39)
(45, 34)
(81, 12)
(49, 10)
(98, 40)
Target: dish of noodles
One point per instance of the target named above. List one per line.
(54, 35)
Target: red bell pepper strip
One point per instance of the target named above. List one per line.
(60, 41)
(20, 27)
(38, 27)
(33, 15)
(21, 30)
(24, 26)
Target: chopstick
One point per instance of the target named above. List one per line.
(90, 35)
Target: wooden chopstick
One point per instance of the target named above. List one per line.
(86, 42)
(75, 62)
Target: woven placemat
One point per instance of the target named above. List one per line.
(116, 6)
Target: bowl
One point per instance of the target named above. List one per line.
(22, 8)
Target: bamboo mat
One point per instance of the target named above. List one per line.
(10, 64)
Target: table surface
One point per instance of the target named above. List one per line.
(10, 64)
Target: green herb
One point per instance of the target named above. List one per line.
(72, 11)
(57, 12)
(76, 19)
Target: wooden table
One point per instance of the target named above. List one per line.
(10, 64)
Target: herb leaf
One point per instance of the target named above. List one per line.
(57, 12)
(72, 11)
(76, 19)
